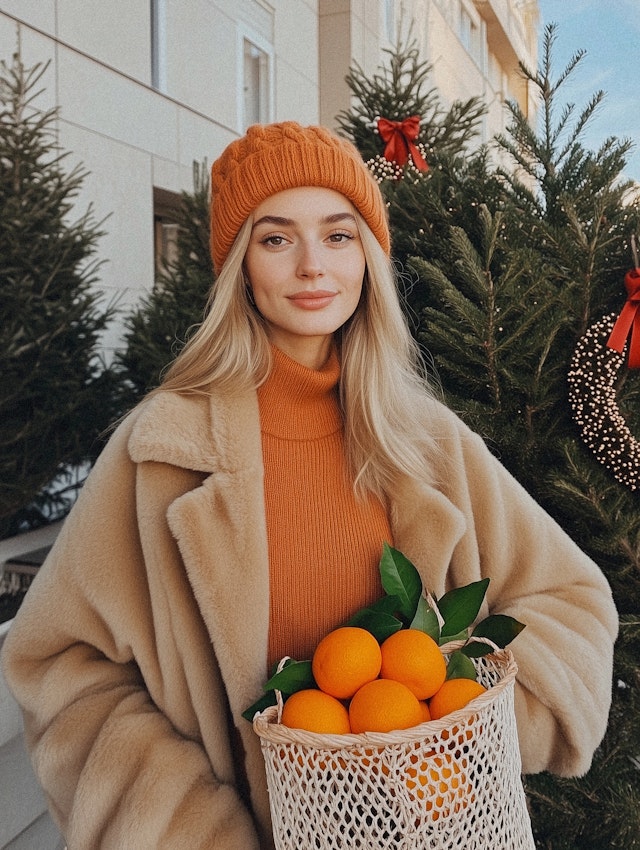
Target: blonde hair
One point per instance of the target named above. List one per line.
(384, 393)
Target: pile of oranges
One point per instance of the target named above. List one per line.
(365, 686)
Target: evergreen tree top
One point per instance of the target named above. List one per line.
(55, 390)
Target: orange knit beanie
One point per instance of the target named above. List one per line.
(274, 157)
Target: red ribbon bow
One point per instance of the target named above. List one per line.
(628, 322)
(400, 137)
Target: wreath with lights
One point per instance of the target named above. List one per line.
(595, 368)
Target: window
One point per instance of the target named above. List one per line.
(255, 84)
(469, 32)
(255, 74)
(158, 45)
(165, 229)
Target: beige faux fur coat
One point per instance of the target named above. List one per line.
(144, 636)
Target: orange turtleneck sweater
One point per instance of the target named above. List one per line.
(324, 545)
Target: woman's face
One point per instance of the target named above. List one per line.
(306, 265)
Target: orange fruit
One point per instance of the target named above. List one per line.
(344, 660)
(412, 657)
(439, 781)
(453, 695)
(316, 711)
(382, 706)
(424, 707)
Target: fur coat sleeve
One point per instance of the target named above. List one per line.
(126, 716)
(476, 522)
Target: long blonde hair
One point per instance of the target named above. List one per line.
(384, 393)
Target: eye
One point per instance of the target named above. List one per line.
(274, 240)
(338, 238)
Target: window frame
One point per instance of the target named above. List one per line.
(158, 11)
(166, 209)
(471, 37)
(245, 34)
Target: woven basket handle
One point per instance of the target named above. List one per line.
(279, 699)
(448, 648)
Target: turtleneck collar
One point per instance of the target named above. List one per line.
(298, 403)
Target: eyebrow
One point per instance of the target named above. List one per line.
(281, 221)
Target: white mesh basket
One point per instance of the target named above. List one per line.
(449, 784)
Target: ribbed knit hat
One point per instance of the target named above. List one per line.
(274, 157)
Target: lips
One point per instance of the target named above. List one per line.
(312, 299)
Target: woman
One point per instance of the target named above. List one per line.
(239, 513)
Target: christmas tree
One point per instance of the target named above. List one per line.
(398, 91)
(156, 331)
(55, 391)
(509, 274)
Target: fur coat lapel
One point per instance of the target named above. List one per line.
(219, 526)
(426, 527)
(221, 534)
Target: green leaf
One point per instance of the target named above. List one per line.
(463, 635)
(476, 649)
(294, 676)
(386, 605)
(460, 667)
(379, 617)
(259, 705)
(400, 578)
(459, 607)
(499, 628)
(379, 623)
(426, 620)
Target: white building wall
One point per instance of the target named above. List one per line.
(25, 823)
(133, 138)
(296, 52)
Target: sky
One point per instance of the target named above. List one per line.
(609, 32)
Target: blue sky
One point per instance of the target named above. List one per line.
(609, 32)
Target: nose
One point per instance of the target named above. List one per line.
(310, 263)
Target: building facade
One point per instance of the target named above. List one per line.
(145, 88)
